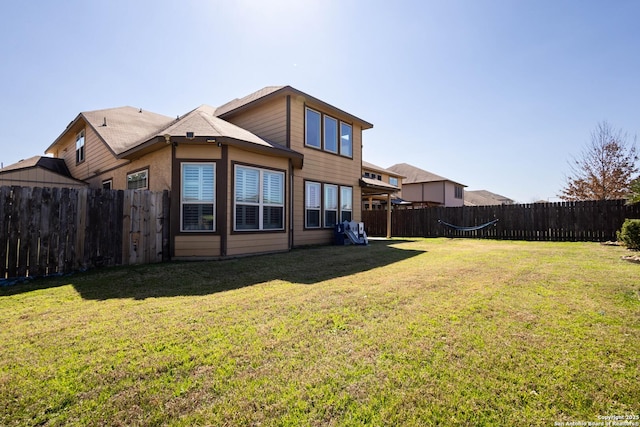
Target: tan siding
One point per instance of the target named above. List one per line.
(98, 157)
(200, 151)
(252, 159)
(268, 121)
(158, 163)
(254, 243)
(37, 177)
(322, 167)
(197, 246)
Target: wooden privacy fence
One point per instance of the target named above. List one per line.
(46, 231)
(566, 221)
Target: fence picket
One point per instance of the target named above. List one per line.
(563, 221)
(54, 230)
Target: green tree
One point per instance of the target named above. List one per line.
(634, 195)
(604, 169)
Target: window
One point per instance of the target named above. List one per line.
(259, 199)
(138, 180)
(336, 205)
(458, 192)
(107, 184)
(393, 181)
(321, 131)
(80, 147)
(346, 140)
(330, 205)
(330, 134)
(312, 205)
(197, 197)
(312, 128)
(346, 203)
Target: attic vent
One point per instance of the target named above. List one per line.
(104, 122)
(189, 135)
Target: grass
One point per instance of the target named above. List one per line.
(403, 332)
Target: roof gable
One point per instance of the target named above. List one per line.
(270, 92)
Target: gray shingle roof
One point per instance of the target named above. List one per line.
(240, 102)
(485, 198)
(203, 122)
(53, 164)
(413, 174)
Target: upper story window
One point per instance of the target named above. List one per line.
(330, 134)
(80, 147)
(393, 181)
(458, 192)
(312, 128)
(197, 198)
(346, 140)
(322, 131)
(138, 180)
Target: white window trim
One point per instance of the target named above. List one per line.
(80, 149)
(182, 201)
(307, 208)
(146, 171)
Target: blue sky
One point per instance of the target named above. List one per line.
(494, 94)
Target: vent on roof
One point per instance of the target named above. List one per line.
(104, 122)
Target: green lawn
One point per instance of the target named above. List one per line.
(403, 332)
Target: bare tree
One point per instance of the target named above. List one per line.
(604, 169)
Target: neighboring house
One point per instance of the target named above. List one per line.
(423, 188)
(378, 186)
(485, 198)
(39, 171)
(264, 173)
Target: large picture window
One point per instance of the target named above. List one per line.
(259, 199)
(197, 197)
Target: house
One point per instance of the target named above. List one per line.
(378, 186)
(423, 188)
(264, 173)
(39, 170)
(485, 198)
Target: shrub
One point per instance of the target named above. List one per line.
(630, 233)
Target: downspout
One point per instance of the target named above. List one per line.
(290, 204)
(388, 215)
(223, 207)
